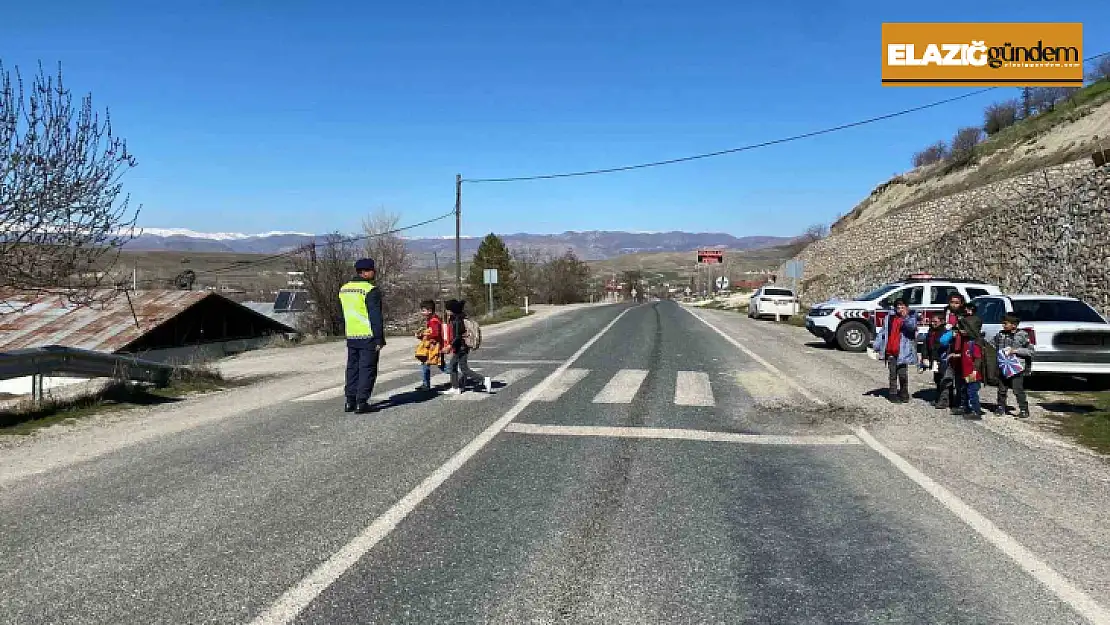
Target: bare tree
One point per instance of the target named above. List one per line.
(1100, 69)
(933, 154)
(528, 263)
(1000, 115)
(61, 221)
(327, 266)
(963, 145)
(1045, 99)
(389, 251)
(814, 233)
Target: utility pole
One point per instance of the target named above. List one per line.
(439, 283)
(458, 235)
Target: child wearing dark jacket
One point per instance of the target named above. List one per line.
(1013, 342)
(934, 356)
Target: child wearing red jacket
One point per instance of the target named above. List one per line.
(430, 349)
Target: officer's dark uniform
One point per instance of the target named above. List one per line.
(362, 319)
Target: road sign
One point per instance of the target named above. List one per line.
(489, 276)
(711, 256)
(722, 283)
(687, 290)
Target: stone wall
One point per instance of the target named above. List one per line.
(1052, 240)
(915, 225)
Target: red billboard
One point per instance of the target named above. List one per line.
(711, 256)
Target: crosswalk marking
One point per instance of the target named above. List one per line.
(692, 389)
(562, 384)
(337, 391)
(761, 385)
(622, 387)
(499, 381)
(680, 434)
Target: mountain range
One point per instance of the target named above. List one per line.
(588, 245)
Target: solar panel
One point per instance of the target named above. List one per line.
(291, 301)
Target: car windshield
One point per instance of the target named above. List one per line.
(777, 292)
(1055, 310)
(876, 293)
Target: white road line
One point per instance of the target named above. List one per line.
(622, 388)
(500, 381)
(515, 362)
(336, 392)
(286, 608)
(761, 385)
(756, 357)
(678, 434)
(562, 384)
(692, 388)
(1026, 559)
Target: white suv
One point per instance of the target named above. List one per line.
(1071, 338)
(850, 324)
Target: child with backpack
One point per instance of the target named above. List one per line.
(463, 335)
(971, 367)
(429, 351)
(1015, 357)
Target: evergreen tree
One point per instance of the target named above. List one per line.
(492, 254)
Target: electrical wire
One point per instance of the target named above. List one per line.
(752, 146)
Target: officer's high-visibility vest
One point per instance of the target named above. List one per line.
(356, 319)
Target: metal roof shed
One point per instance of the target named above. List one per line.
(142, 322)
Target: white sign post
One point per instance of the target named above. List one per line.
(489, 276)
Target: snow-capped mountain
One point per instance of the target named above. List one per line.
(588, 245)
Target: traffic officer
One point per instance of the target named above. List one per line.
(362, 319)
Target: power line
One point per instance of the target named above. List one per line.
(752, 146)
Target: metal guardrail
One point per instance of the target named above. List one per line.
(57, 359)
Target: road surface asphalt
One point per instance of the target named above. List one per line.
(660, 475)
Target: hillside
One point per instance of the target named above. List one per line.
(589, 245)
(1030, 214)
(1069, 132)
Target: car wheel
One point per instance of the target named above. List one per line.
(853, 336)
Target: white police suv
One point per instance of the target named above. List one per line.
(850, 324)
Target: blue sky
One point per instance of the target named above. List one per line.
(274, 115)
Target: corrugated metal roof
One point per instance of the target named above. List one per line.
(105, 327)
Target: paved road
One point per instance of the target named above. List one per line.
(632, 466)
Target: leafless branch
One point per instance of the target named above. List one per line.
(62, 223)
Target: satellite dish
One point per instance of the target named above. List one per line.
(184, 280)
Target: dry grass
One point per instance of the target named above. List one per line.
(198, 377)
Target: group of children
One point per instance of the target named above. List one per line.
(444, 346)
(955, 351)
